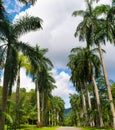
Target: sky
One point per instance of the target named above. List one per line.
(58, 36)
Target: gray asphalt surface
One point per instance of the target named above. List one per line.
(68, 128)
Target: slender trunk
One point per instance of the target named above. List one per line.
(43, 107)
(52, 117)
(57, 118)
(98, 102)
(4, 94)
(91, 121)
(49, 117)
(108, 85)
(4, 101)
(38, 101)
(83, 101)
(84, 105)
(16, 121)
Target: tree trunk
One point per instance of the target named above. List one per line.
(52, 114)
(4, 94)
(16, 121)
(84, 105)
(91, 121)
(98, 102)
(57, 118)
(49, 119)
(108, 86)
(38, 101)
(43, 108)
(4, 101)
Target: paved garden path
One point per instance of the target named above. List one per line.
(68, 128)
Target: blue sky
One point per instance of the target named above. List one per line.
(13, 7)
(58, 36)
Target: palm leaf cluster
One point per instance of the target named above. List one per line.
(15, 54)
(96, 27)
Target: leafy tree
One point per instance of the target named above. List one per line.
(86, 64)
(95, 30)
(46, 84)
(57, 111)
(23, 61)
(39, 65)
(10, 48)
(75, 101)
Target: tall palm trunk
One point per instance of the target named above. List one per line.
(57, 118)
(4, 93)
(108, 86)
(49, 118)
(17, 101)
(84, 105)
(4, 100)
(83, 101)
(43, 112)
(52, 117)
(98, 102)
(38, 102)
(89, 104)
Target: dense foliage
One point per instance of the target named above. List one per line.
(27, 109)
(94, 104)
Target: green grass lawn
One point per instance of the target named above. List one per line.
(89, 128)
(33, 127)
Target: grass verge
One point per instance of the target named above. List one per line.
(33, 127)
(93, 128)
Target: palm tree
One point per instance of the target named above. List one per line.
(46, 84)
(76, 80)
(23, 61)
(94, 30)
(88, 63)
(75, 102)
(40, 64)
(10, 48)
(58, 109)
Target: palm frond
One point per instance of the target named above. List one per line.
(8, 118)
(26, 24)
(101, 9)
(28, 1)
(78, 13)
(77, 49)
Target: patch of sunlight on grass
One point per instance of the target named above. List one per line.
(34, 127)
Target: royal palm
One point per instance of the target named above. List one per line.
(94, 31)
(86, 63)
(12, 31)
(39, 64)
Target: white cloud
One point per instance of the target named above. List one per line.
(58, 36)
(58, 28)
(26, 81)
(64, 86)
